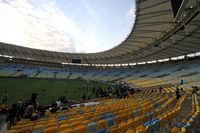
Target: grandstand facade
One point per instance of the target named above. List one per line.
(169, 73)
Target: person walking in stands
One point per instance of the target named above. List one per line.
(177, 93)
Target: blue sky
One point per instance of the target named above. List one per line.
(66, 25)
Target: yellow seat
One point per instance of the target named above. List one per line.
(130, 131)
(123, 127)
(102, 124)
(52, 121)
(141, 129)
(62, 122)
(75, 124)
(51, 130)
(114, 129)
(130, 123)
(65, 126)
(67, 131)
(175, 130)
(19, 126)
(183, 130)
(184, 121)
(51, 125)
(119, 118)
(80, 129)
(11, 131)
(95, 118)
(41, 123)
(39, 127)
(82, 118)
(85, 122)
(137, 121)
(72, 120)
(23, 130)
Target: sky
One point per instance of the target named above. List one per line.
(74, 26)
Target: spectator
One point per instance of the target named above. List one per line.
(12, 114)
(29, 111)
(160, 89)
(5, 98)
(84, 97)
(194, 89)
(22, 111)
(177, 93)
(89, 96)
(54, 107)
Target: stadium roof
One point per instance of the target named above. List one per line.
(154, 36)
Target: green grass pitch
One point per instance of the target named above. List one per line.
(46, 89)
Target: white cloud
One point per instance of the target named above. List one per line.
(43, 26)
(131, 11)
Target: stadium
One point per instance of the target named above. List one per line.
(149, 83)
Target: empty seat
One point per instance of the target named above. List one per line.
(67, 131)
(11, 131)
(76, 123)
(183, 130)
(85, 122)
(38, 128)
(51, 124)
(23, 130)
(102, 124)
(123, 127)
(80, 129)
(91, 127)
(51, 130)
(114, 129)
(102, 131)
(175, 130)
(62, 122)
(141, 129)
(130, 131)
(64, 126)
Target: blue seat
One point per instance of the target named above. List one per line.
(91, 127)
(188, 127)
(109, 115)
(147, 123)
(154, 119)
(60, 116)
(81, 112)
(187, 117)
(155, 105)
(156, 123)
(102, 131)
(180, 125)
(61, 119)
(103, 116)
(110, 121)
(36, 132)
